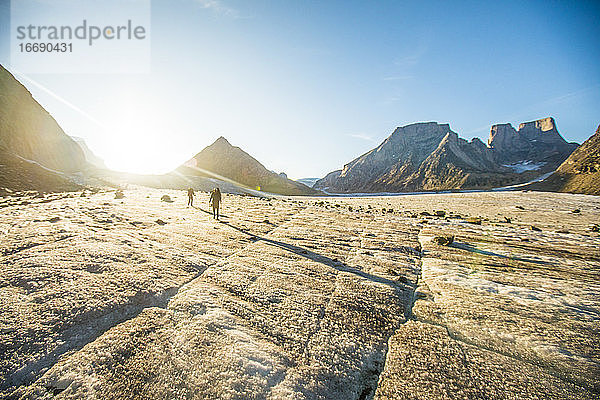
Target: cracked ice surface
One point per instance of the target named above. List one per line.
(283, 299)
(505, 311)
(298, 298)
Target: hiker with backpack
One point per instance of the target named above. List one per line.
(215, 201)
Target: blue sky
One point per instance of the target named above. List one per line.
(306, 86)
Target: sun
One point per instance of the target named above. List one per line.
(138, 137)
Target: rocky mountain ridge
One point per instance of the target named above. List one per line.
(536, 141)
(430, 156)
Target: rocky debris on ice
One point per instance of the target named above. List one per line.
(318, 303)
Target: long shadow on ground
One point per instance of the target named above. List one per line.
(209, 213)
(311, 255)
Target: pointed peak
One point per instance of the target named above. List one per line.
(222, 140)
(220, 144)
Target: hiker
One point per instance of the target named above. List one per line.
(215, 200)
(190, 197)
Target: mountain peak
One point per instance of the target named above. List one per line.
(223, 161)
(221, 141)
(419, 128)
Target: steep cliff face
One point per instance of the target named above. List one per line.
(223, 161)
(504, 138)
(430, 156)
(28, 131)
(396, 158)
(580, 173)
(536, 143)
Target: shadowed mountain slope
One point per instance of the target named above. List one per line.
(18, 175)
(580, 173)
(34, 150)
(27, 130)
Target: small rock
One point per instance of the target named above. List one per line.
(563, 231)
(440, 213)
(576, 211)
(507, 220)
(160, 222)
(425, 214)
(473, 220)
(166, 198)
(535, 228)
(445, 240)
(520, 207)
(595, 228)
(119, 194)
(54, 219)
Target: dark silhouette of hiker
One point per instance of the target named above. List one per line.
(215, 200)
(190, 197)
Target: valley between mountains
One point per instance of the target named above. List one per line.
(111, 288)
